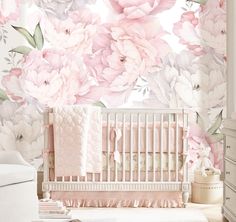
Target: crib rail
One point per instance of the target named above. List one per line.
(148, 160)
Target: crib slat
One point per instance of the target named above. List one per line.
(146, 148)
(168, 136)
(116, 147)
(123, 150)
(92, 177)
(108, 147)
(177, 147)
(131, 147)
(161, 148)
(139, 147)
(154, 148)
(185, 146)
(46, 147)
(101, 174)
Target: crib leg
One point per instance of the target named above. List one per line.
(46, 195)
(185, 196)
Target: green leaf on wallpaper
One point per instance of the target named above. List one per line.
(216, 125)
(216, 137)
(38, 37)
(3, 95)
(21, 49)
(26, 34)
(198, 1)
(99, 103)
(200, 121)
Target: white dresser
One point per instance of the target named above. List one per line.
(229, 205)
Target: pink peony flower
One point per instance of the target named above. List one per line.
(75, 33)
(55, 78)
(134, 9)
(186, 30)
(9, 10)
(206, 31)
(52, 77)
(124, 51)
(196, 136)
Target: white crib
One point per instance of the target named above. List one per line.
(153, 151)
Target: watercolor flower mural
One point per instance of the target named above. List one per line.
(21, 129)
(136, 9)
(115, 57)
(82, 55)
(9, 10)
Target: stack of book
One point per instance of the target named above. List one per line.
(50, 209)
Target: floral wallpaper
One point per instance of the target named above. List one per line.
(155, 53)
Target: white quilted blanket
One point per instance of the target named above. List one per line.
(77, 140)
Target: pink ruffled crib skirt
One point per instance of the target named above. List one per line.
(120, 199)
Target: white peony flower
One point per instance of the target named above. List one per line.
(23, 137)
(188, 81)
(22, 130)
(212, 25)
